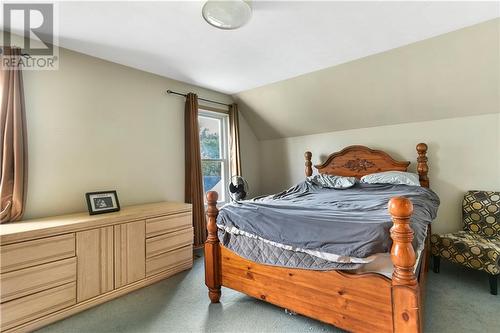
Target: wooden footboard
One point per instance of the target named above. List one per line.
(357, 303)
(354, 302)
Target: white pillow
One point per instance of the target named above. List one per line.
(330, 181)
(392, 177)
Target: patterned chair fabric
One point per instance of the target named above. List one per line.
(478, 245)
(481, 213)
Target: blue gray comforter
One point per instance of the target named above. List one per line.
(351, 222)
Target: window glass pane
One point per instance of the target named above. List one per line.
(213, 177)
(210, 137)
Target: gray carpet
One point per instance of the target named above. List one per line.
(458, 300)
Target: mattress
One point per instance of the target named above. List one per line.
(312, 227)
(262, 251)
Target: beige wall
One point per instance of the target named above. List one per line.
(463, 155)
(250, 157)
(95, 125)
(453, 75)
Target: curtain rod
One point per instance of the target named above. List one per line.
(26, 55)
(201, 99)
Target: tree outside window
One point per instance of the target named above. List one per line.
(214, 152)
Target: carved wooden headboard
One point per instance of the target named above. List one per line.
(357, 161)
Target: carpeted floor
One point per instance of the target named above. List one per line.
(458, 300)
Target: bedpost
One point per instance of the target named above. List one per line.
(309, 170)
(422, 166)
(405, 289)
(212, 250)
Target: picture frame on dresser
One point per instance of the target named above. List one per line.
(102, 202)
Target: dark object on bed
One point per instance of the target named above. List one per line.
(238, 188)
(365, 302)
(478, 245)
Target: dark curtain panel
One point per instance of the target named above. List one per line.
(234, 126)
(193, 178)
(13, 147)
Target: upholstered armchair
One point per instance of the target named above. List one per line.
(478, 245)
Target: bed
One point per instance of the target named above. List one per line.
(354, 300)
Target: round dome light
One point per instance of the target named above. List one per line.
(228, 15)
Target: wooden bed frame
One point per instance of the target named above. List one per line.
(366, 302)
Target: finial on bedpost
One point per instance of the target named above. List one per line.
(212, 250)
(422, 166)
(406, 301)
(402, 253)
(212, 213)
(309, 170)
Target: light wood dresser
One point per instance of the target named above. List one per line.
(54, 267)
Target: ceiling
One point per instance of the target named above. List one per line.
(456, 74)
(282, 40)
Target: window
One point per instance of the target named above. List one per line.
(214, 147)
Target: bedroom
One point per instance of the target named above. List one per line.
(113, 132)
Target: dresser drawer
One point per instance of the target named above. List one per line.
(168, 260)
(25, 309)
(30, 280)
(164, 224)
(167, 242)
(36, 252)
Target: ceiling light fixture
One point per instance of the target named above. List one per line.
(228, 14)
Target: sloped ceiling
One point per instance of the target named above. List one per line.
(453, 75)
(282, 40)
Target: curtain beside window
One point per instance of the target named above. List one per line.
(13, 147)
(193, 178)
(234, 146)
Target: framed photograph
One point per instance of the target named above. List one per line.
(102, 202)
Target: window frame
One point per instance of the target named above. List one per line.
(224, 150)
